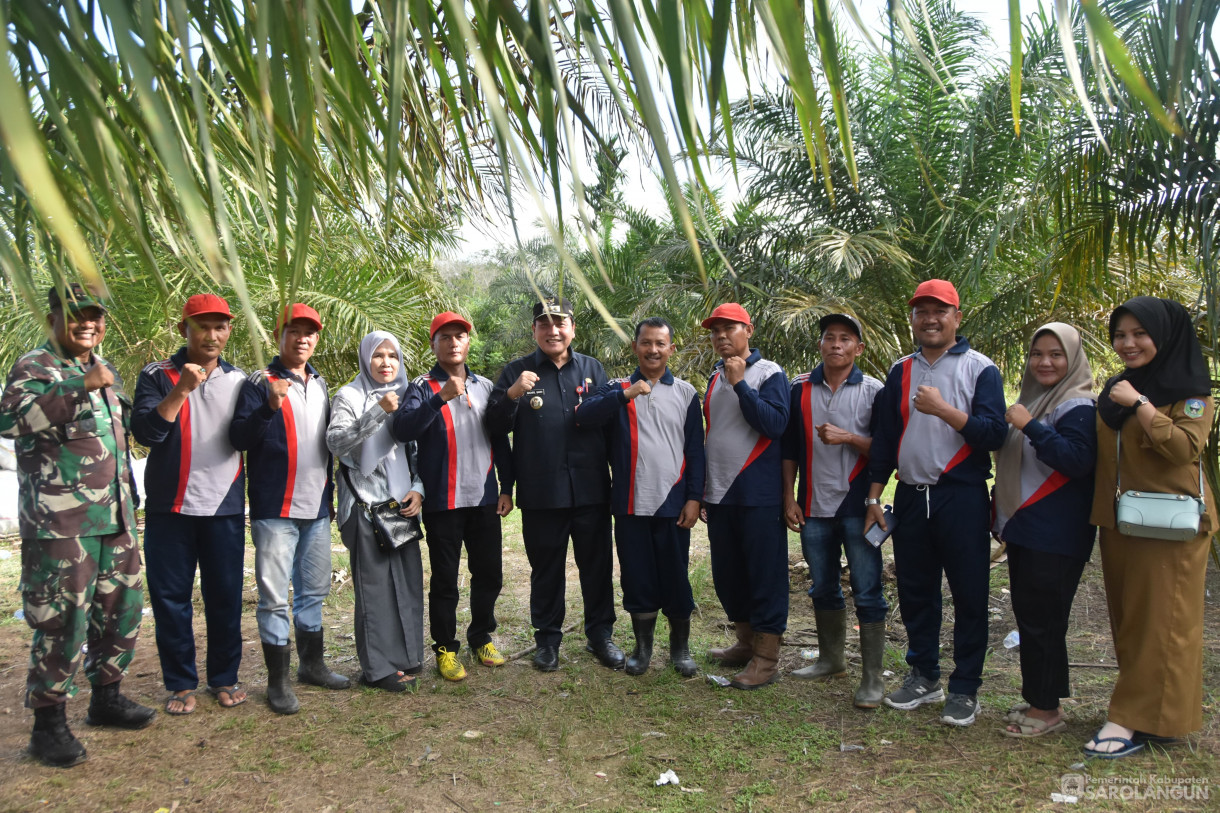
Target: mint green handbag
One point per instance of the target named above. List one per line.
(1156, 515)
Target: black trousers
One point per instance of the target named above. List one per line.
(1043, 586)
(653, 558)
(479, 528)
(546, 533)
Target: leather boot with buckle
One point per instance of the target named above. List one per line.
(738, 654)
(763, 668)
(832, 637)
(644, 626)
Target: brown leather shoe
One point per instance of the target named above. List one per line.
(763, 668)
(738, 654)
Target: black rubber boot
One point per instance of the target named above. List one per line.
(312, 669)
(51, 742)
(107, 706)
(872, 651)
(679, 648)
(280, 696)
(643, 626)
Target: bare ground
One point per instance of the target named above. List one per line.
(584, 738)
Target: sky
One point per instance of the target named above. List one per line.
(641, 186)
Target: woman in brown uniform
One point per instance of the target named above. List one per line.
(1161, 406)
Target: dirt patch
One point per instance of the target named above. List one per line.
(583, 737)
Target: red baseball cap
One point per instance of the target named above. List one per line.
(199, 304)
(728, 312)
(447, 318)
(298, 311)
(939, 289)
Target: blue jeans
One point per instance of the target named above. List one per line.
(290, 548)
(823, 540)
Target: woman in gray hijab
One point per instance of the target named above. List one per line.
(389, 586)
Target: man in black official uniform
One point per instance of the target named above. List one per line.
(563, 482)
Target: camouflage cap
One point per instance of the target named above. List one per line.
(76, 295)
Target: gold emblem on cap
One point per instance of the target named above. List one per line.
(536, 402)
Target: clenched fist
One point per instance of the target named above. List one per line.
(524, 383)
(640, 387)
(277, 391)
(734, 369)
(98, 377)
(389, 402)
(454, 387)
(192, 376)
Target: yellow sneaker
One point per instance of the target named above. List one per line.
(489, 655)
(447, 664)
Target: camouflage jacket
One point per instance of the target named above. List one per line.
(68, 473)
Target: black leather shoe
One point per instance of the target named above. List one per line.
(610, 655)
(546, 659)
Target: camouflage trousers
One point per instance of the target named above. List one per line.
(79, 591)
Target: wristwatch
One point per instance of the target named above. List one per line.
(1139, 402)
(872, 501)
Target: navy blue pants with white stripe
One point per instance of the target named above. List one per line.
(653, 555)
(749, 547)
(944, 529)
(174, 545)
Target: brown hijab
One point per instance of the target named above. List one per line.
(1077, 382)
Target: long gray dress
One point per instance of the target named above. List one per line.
(389, 588)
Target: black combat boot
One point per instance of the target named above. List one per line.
(51, 743)
(108, 707)
(312, 669)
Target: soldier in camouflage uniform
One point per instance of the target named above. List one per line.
(80, 563)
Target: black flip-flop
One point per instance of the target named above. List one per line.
(181, 698)
(217, 691)
(1129, 747)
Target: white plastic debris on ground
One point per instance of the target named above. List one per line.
(668, 778)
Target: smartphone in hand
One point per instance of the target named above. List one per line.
(876, 535)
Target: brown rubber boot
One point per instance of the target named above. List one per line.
(763, 668)
(738, 654)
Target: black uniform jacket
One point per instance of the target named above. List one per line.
(557, 465)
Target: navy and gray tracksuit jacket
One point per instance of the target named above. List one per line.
(290, 465)
(924, 449)
(833, 480)
(192, 469)
(656, 444)
(1056, 483)
(745, 424)
(458, 460)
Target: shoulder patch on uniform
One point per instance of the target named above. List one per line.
(1194, 407)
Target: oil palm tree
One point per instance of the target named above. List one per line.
(137, 133)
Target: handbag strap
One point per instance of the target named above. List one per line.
(364, 506)
(1118, 464)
